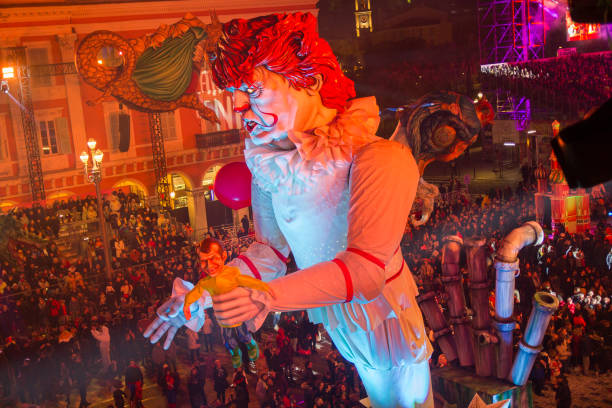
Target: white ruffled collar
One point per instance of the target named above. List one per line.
(317, 152)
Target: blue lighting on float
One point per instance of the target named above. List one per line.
(402, 386)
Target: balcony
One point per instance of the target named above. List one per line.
(218, 139)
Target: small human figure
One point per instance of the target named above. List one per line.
(119, 396)
(218, 278)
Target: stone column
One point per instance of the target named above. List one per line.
(197, 213)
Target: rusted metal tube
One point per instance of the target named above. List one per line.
(436, 321)
(451, 277)
(484, 356)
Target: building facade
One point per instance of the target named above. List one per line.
(66, 114)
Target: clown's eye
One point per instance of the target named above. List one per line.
(253, 91)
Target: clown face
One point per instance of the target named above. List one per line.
(270, 108)
(211, 263)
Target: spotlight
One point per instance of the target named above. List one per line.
(8, 73)
(531, 132)
(509, 144)
(480, 95)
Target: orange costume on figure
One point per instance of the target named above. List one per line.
(227, 279)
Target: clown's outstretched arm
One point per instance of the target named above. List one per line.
(383, 182)
(265, 259)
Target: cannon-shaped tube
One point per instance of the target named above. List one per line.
(484, 352)
(544, 305)
(507, 267)
(451, 277)
(436, 321)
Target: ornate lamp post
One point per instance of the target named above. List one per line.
(93, 173)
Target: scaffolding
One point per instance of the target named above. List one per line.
(495, 32)
(159, 160)
(528, 30)
(24, 95)
(510, 107)
(510, 31)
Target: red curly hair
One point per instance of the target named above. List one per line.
(287, 44)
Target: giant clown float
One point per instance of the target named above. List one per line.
(325, 189)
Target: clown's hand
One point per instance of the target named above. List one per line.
(170, 316)
(169, 319)
(242, 305)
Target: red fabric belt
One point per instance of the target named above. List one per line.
(347, 278)
(251, 266)
(277, 252)
(367, 256)
(397, 274)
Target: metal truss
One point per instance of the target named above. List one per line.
(37, 185)
(510, 30)
(495, 31)
(528, 29)
(510, 107)
(159, 160)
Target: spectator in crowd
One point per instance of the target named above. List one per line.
(195, 388)
(220, 381)
(134, 383)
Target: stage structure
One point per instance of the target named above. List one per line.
(510, 31)
(558, 205)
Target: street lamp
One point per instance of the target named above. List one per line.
(93, 173)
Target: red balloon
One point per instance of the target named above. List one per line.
(233, 185)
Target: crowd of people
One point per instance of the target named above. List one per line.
(565, 80)
(62, 316)
(57, 316)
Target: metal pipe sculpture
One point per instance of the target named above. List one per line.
(507, 267)
(436, 321)
(451, 277)
(544, 305)
(479, 297)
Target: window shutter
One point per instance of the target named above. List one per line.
(113, 119)
(62, 135)
(39, 56)
(168, 125)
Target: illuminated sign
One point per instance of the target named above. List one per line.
(580, 32)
